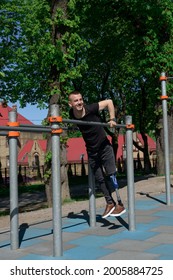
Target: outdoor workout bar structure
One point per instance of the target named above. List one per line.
(164, 99)
(13, 128)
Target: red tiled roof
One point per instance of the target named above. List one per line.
(42, 143)
(76, 147)
(23, 154)
(4, 118)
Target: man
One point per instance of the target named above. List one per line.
(99, 150)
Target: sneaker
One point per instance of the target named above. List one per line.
(108, 210)
(118, 211)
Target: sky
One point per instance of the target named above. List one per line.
(31, 112)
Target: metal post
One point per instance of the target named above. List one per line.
(130, 173)
(14, 220)
(92, 200)
(166, 140)
(56, 185)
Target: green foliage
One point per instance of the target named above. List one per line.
(39, 49)
(2, 74)
(48, 157)
(130, 45)
(74, 134)
(106, 49)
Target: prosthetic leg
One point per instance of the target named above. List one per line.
(114, 183)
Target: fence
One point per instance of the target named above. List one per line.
(26, 175)
(55, 129)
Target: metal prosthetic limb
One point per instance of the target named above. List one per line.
(114, 183)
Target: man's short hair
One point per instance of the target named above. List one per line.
(75, 92)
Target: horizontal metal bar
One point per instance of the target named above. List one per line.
(30, 129)
(91, 123)
(41, 128)
(70, 121)
(34, 125)
(27, 129)
(3, 133)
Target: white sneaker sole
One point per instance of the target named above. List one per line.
(108, 214)
(119, 214)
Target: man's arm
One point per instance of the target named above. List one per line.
(110, 106)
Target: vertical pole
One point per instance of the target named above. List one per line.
(166, 140)
(92, 200)
(56, 185)
(130, 173)
(14, 220)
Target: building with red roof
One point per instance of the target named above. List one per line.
(4, 115)
(76, 147)
(31, 146)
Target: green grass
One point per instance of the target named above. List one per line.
(4, 213)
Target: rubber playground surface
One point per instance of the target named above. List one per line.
(111, 239)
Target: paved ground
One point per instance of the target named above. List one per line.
(110, 239)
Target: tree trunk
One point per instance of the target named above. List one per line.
(64, 174)
(47, 173)
(147, 163)
(144, 149)
(55, 85)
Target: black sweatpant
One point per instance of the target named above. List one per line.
(103, 163)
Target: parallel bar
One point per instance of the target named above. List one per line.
(14, 220)
(91, 123)
(166, 142)
(130, 175)
(26, 128)
(3, 133)
(72, 121)
(40, 129)
(56, 186)
(56, 176)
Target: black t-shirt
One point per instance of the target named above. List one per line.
(93, 135)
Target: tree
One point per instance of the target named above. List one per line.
(131, 44)
(39, 45)
(153, 25)
(107, 49)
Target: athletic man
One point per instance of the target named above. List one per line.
(100, 153)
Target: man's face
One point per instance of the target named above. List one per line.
(76, 102)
